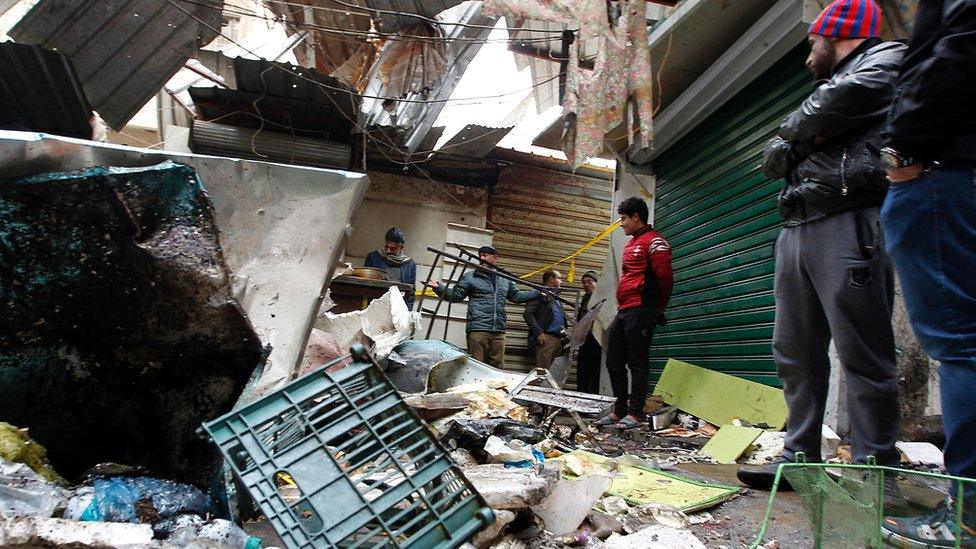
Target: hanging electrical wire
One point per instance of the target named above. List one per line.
(377, 35)
(343, 90)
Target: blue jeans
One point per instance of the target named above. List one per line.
(930, 228)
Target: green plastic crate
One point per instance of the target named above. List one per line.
(339, 460)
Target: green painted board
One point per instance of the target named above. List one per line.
(730, 442)
(719, 398)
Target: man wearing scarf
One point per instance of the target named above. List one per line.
(397, 265)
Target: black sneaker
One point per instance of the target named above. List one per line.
(760, 477)
(934, 530)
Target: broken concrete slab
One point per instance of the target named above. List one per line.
(584, 403)
(48, 532)
(655, 537)
(512, 488)
(719, 398)
(569, 503)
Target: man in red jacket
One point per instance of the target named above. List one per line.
(642, 294)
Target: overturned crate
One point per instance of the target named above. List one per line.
(365, 471)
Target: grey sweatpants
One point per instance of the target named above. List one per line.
(832, 283)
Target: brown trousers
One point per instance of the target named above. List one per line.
(546, 352)
(487, 347)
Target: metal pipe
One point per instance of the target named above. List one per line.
(502, 273)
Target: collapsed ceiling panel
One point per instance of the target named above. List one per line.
(40, 92)
(124, 51)
(395, 15)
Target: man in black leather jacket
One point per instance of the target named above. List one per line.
(833, 279)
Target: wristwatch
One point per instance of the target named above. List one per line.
(893, 160)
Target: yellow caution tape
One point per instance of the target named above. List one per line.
(572, 257)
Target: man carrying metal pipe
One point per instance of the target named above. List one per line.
(486, 293)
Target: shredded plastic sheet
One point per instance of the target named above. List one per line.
(598, 101)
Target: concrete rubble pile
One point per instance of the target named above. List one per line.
(549, 481)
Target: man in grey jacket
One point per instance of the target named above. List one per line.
(833, 279)
(486, 293)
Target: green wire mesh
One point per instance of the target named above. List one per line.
(847, 505)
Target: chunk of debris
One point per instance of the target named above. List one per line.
(486, 537)
(512, 488)
(570, 502)
(48, 532)
(829, 442)
(767, 447)
(25, 493)
(655, 536)
(639, 484)
(654, 513)
(437, 405)
(921, 453)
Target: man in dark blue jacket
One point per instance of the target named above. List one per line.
(929, 219)
(397, 265)
(486, 293)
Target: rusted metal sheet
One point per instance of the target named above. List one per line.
(123, 50)
(474, 141)
(541, 215)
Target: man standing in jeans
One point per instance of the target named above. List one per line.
(645, 286)
(833, 279)
(929, 218)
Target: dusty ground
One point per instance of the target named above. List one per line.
(738, 520)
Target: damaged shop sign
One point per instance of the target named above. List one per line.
(121, 334)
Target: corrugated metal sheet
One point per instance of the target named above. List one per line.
(124, 51)
(540, 216)
(223, 140)
(39, 91)
(719, 213)
(392, 22)
(474, 141)
(288, 98)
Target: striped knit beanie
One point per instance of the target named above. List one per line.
(848, 19)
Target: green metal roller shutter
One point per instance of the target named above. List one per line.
(719, 213)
